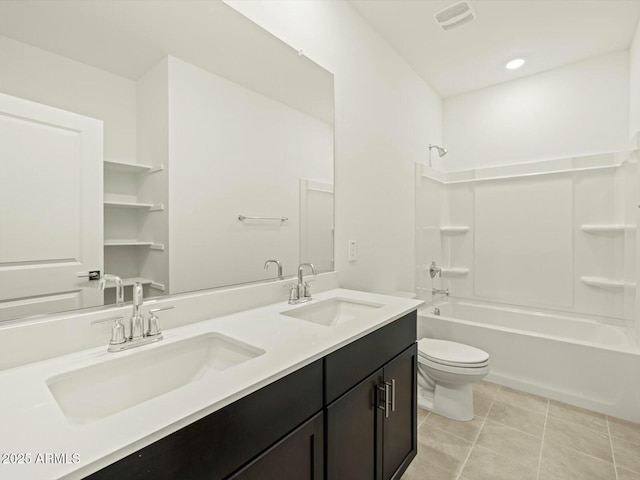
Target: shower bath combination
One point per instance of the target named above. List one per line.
(441, 151)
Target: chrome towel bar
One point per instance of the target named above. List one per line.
(242, 218)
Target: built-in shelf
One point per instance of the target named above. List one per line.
(128, 205)
(129, 167)
(133, 243)
(604, 229)
(608, 283)
(454, 229)
(454, 271)
(128, 282)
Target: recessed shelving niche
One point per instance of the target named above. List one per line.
(129, 167)
(126, 209)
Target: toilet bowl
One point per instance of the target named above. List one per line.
(446, 372)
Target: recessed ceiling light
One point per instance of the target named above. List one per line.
(515, 63)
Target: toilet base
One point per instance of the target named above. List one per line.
(454, 402)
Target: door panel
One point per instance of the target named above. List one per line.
(51, 207)
(400, 429)
(353, 441)
(299, 456)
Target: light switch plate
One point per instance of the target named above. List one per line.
(353, 250)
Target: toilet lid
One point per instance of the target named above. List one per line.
(451, 353)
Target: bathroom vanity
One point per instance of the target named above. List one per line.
(322, 390)
(339, 402)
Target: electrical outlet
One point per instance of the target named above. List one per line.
(353, 250)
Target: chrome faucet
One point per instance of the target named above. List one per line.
(301, 292)
(137, 334)
(119, 287)
(436, 291)
(136, 322)
(266, 266)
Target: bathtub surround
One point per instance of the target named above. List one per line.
(634, 81)
(553, 242)
(534, 234)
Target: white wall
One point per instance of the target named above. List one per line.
(51, 79)
(576, 110)
(233, 151)
(385, 117)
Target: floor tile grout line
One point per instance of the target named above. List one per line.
(544, 432)
(516, 429)
(475, 440)
(580, 452)
(560, 419)
(613, 453)
(621, 437)
(424, 419)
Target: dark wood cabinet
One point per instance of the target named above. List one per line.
(371, 430)
(352, 435)
(325, 421)
(299, 456)
(399, 431)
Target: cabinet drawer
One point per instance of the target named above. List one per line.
(354, 362)
(218, 444)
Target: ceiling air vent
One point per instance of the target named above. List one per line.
(455, 15)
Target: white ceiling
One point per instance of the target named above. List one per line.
(548, 33)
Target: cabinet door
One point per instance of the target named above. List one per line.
(354, 442)
(298, 456)
(399, 428)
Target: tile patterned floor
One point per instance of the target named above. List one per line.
(518, 436)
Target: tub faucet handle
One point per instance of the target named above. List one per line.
(434, 270)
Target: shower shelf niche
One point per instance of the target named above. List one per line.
(453, 229)
(604, 229)
(454, 271)
(608, 283)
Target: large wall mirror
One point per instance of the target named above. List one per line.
(172, 143)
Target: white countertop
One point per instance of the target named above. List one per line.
(31, 421)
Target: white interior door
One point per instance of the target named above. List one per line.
(51, 208)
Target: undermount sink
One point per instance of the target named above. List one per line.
(333, 311)
(91, 393)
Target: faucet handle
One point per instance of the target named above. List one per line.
(293, 292)
(154, 321)
(117, 330)
(106, 320)
(307, 290)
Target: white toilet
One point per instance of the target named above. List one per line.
(446, 372)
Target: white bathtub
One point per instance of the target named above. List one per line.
(584, 361)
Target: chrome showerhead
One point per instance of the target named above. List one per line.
(441, 151)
